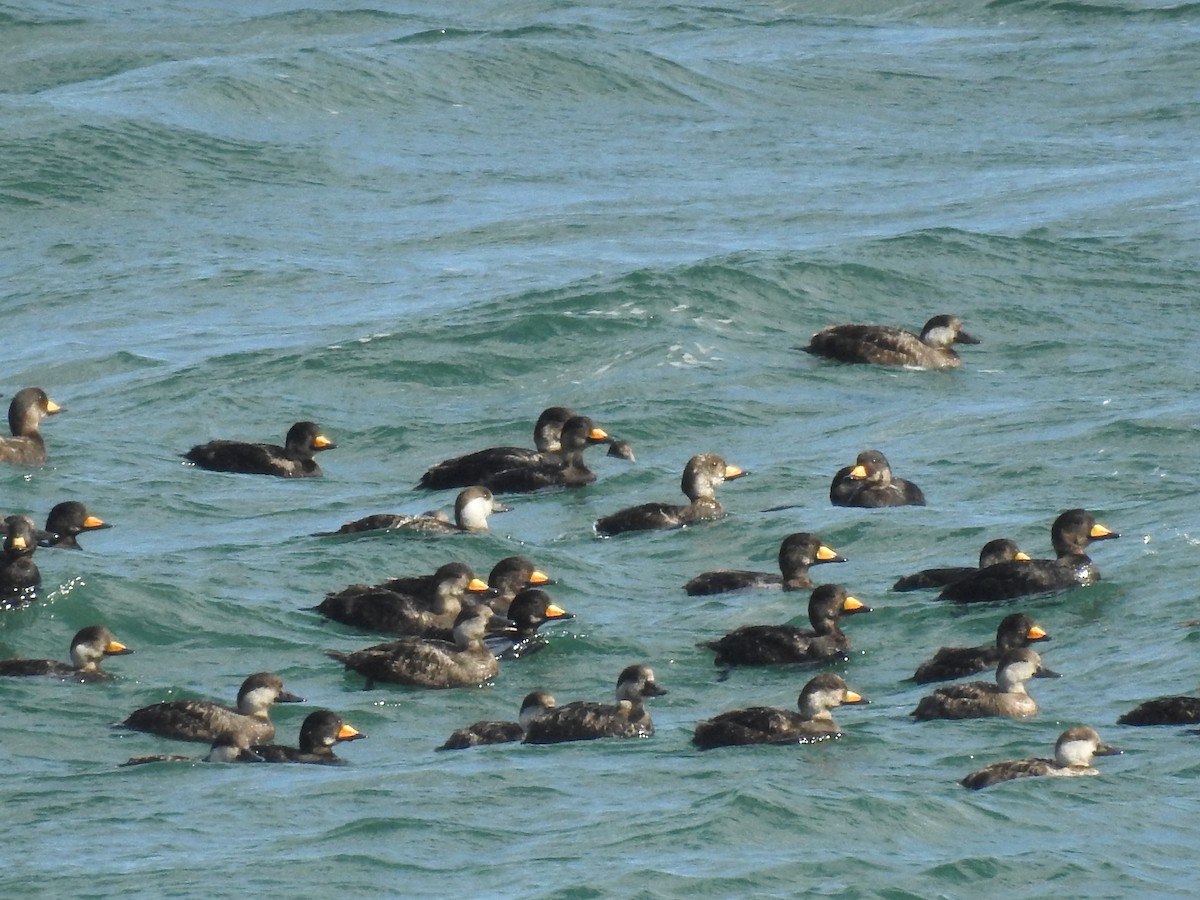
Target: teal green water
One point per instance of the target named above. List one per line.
(419, 226)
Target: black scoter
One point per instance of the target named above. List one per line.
(204, 720)
(510, 576)
(472, 468)
(493, 732)
(19, 575)
(997, 551)
(771, 725)
(293, 460)
(68, 520)
(554, 468)
(1179, 709)
(25, 413)
(869, 483)
(1070, 535)
(976, 699)
(587, 721)
(417, 614)
(320, 731)
(471, 510)
(887, 345)
(230, 747)
(1072, 756)
(430, 663)
(797, 553)
(701, 476)
(89, 647)
(765, 645)
(1015, 630)
(530, 610)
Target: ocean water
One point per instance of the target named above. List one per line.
(420, 225)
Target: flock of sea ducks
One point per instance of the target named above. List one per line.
(450, 628)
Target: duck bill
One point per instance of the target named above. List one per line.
(1100, 533)
(479, 586)
(91, 523)
(853, 605)
(320, 442)
(1022, 556)
(116, 648)
(288, 697)
(498, 507)
(349, 733)
(1036, 633)
(963, 338)
(598, 436)
(732, 472)
(854, 697)
(653, 690)
(858, 473)
(539, 578)
(52, 408)
(828, 554)
(554, 611)
(1106, 750)
(1043, 672)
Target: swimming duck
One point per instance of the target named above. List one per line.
(293, 460)
(770, 725)
(701, 476)
(320, 731)
(19, 575)
(765, 645)
(1070, 535)
(430, 663)
(25, 413)
(554, 468)
(587, 721)
(88, 648)
(471, 510)
(1073, 754)
(869, 483)
(797, 552)
(533, 707)
(68, 520)
(997, 551)
(472, 468)
(204, 720)
(510, 576)
(416, 614)
(887, 345)
(530, 610)
(1015, 630)
(976, 699)
(229, 747)
(1175, 710)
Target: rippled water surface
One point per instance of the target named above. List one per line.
(419, 226)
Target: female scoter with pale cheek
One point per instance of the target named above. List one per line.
(25, 413)
(701, 476)
(585, 721)
(1072, 756)
(293, 460)
(887, 345)
(478, 734)
(978, 699)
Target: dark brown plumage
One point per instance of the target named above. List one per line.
(887, 345)
(293, 460)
